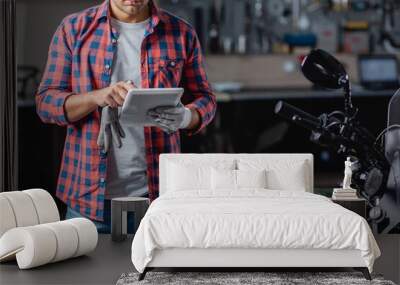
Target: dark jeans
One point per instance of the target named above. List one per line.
(105, 226)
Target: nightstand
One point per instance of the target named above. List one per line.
(119, 208)
(358, 206)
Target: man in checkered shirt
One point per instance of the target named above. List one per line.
(94, 58)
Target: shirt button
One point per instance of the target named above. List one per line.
(102, 180)
(114, 41)
(107, 66)
(172, 63)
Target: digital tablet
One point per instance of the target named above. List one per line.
(139, 101)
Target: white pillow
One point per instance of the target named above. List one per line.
(223, 179)
(193, 175)
(290, 175)
(236, 179)
(184, 178)
(251, 178)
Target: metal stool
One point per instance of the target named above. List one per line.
(119, 209)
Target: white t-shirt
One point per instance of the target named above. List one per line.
(126, 166)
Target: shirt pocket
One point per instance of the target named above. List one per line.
(165, 72)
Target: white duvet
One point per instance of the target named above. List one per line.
(250, 219)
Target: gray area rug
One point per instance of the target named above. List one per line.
(243, 278)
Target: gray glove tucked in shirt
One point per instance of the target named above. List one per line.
(170, 119)
(110, 128)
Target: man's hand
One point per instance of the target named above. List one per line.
(170, 119)
(78, 106)
(114, 95)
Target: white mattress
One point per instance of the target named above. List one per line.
(250, 218)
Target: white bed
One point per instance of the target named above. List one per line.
(203, 219)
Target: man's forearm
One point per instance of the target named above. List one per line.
(195, 122)
(79, 106)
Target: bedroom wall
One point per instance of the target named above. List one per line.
(389, 262)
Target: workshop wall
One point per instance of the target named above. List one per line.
(37, 21)
(253, 52)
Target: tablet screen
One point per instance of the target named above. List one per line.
(139, 101)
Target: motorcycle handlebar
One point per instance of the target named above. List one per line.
(297, 116)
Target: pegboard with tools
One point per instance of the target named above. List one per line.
(287, 26)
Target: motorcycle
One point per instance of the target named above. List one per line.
(376, 165)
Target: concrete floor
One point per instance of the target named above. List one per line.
(110, 259)
(389, 263)
(103, 266)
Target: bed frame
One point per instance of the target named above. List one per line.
(242, 259)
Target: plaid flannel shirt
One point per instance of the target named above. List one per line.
(80, 59)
